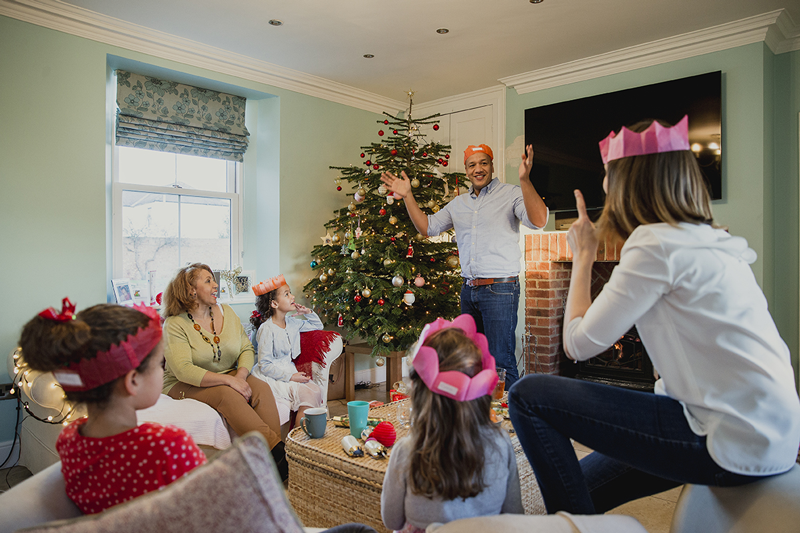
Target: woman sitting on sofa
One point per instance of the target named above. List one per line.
(208, 357)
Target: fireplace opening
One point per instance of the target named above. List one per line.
(625, 364)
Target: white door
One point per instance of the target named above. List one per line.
(461, 129)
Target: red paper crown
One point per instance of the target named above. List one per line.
(269, 285)
(655, 139)
(107, 366)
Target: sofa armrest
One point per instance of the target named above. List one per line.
(36, 500)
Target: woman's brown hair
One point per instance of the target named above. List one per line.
(48, 345)
(448, 451)
(178, 294)
(646, 189)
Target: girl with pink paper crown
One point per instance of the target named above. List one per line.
(455, 463)
(110, 358)
(725, 410)
(278, 340)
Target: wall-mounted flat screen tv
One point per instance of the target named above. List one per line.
(565, 135)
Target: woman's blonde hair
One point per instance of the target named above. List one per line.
(178, 294)
(448, 446)
(646, 189)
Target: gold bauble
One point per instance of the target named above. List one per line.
(419, 237)
(380, 361)
(323, 278)
(387, 338)
(382, 190)
(415, 183)
(366, 293)
(393, 220)
(351, 206)
(435, 208)
(452, 261)
(347, 235)
(431, 203)
(361, 192)
(336, 239)
(330, 271)
(355, 254)
(388, 262)
(337, 181)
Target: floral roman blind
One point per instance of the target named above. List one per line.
(171, 117)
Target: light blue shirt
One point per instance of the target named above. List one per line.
(487, 229)
(278, 347)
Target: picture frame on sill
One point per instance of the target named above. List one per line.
(122, 292)
(140, 292)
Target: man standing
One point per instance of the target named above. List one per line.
(486, 222)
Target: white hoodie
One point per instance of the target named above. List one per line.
(706, 326)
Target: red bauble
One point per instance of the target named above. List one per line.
(339, 188)
(158, 297)
(394, 152)
(357, 298)
(435, 127)
(385, 121)
(382, 211)
(380, 132)
(352, 215)
(440, 160)
(376, 167)
(424, 154)
(444, 164)
(380, 301)
(394, 131)
(447, 156)
(363, 154)
(433, 260)
(393, 239)
(368, 162)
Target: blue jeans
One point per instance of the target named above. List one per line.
(642, 444)
(494, 308)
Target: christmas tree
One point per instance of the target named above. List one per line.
(375, 275)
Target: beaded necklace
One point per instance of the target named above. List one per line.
(218, 353)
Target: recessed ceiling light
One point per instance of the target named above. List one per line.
(369, 56)
(536, 1)
(442, 31)
(275, 22)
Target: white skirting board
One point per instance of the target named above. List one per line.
(377, 374)
(5, 448)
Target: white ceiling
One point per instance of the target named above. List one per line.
(488, 39)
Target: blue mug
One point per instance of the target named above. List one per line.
(314, 422)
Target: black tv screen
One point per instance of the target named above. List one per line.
(565, 135)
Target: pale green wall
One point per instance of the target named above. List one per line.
(761, 99)
(53, 160)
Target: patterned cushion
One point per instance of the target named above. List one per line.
(238, 491)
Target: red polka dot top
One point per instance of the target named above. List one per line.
(103, 472)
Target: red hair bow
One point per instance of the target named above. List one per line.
(67, 312)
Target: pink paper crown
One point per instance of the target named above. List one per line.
(452, 383)
(107, 366)
(269, 285)
(655, 139)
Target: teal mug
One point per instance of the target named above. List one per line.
(358, 412)
(314, 422)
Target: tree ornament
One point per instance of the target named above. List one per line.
(352, 215)
(366, 293)
(452, 261)
(368, 162)
(380, 361)
(351, 206)
(419, 281)
(424, 154)
(393, 239)
(398, 281)
(382, 211)
(340, 322)
(327, 240)
(363, 155)
(409, 297)
(433, 259)
(337, 181)
(387, 338)
(347, 235)
(313, 264)
(376, 167)
(339, 188)
(361, 192)
(393, 152)
(382, 190)
(323, 278)
(393, 220)
(355, 254)
(336, 239)
(430, 204)
(440, 160)
(357, 298)
(419, 237)
(394, 131)
(381, 301)
(390, 199)
(410, 251)
(435, 127)
(444, 164)
(331, 271)
(385, 121)
(447, 156)
(435, 208)
(380, 132)
(388, 262)
(415, 183)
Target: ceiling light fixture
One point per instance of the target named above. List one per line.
(536, 1)
(275, 22)
(442, 31)
(369, 56)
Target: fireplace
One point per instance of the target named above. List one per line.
(548, 267)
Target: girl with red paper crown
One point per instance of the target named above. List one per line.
(278, 341)
(455, 463)
(110, 358)
(725, 410)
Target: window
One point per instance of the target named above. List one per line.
(170, 210)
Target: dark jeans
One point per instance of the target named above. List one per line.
(494, 308)
(642, 441)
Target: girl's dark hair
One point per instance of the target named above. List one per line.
(646, 189)
(48, 345)
(448, 445)
(264, 308)
(178, 294)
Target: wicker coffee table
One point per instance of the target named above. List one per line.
(327, 487)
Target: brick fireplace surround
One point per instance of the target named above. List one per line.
(548, 265)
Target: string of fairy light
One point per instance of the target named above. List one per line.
(24, 379)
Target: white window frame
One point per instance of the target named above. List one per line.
(235, 177)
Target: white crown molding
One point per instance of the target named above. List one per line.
(775, 27)
(81, 22)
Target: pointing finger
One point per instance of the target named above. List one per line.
(580, 204)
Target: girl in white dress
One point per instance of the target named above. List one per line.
(279, 345)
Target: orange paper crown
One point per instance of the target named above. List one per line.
(269, 285)
(472, 150)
